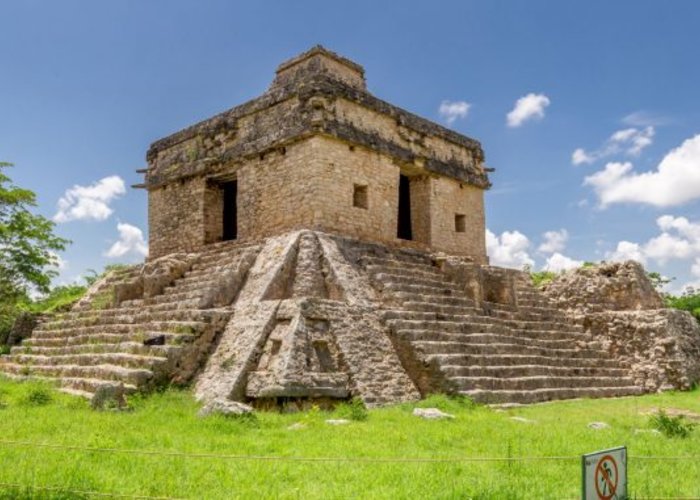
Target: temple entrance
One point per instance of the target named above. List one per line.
(230, 195)
(404, 231)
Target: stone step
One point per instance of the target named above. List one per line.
(548, 394)
(533, 383)
(193, 281)
(132, 376)
(84, 387)
(427, 347)
(430, 298)
(107, 358)
(425, 272)
(479, 337)
(512, 359)
(424, 305)
(409, 279)
(421, 290)
(106, 338)
(181, 327)
(113, 316)
(510, 371)
(418, 258)
(127, 347)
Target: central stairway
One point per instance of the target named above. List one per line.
(518, 353)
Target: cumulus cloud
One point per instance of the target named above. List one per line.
(675, 181)
(554, 241)
(679, 239)
(510, 249)
(529, 107)
(452, 110)
(130, 244)
(89, 202)
(558, 262)
(629, 141)
(627, 250)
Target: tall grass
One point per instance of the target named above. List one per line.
(167, 422)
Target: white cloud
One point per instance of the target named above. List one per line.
(89, 202)
(529, 107)
(666, 246)
(452, 110)
(679, 239)
(510, 249)
(675, 181)
(579, 157)
(130, 243)
(558, 262)
(627, 250)
(629, 141)
(644, 119)
(554, 241)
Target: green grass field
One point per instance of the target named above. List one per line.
(167, 423)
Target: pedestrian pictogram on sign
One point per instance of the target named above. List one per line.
(605, 475)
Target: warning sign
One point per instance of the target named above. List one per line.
(605, 475)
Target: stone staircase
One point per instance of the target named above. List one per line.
(139, 343)
(518, 353)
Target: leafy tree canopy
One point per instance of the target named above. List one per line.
(27, 244)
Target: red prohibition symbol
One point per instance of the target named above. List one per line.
(606, 478)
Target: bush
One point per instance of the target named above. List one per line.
(671, 426)
(38, 396)
(540, 278)
(353, 410)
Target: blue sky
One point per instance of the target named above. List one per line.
(87, 86)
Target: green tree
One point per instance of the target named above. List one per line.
(27, 249)
(28, 245)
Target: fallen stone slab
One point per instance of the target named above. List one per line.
(225, 407)
(431, 414)
(598, 426)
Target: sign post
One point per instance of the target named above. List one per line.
(604, 474)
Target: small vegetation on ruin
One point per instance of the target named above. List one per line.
(186, 463)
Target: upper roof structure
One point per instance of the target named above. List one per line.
(315, 80)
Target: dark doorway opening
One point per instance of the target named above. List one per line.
(230, 190)
(404, 227)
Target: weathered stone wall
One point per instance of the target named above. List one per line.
(617, 304)
(338, 170)
(612, 286)
(299, 151)
(450, 198)
(176, 217)
(660, 346)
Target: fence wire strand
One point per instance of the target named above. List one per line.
(282, 458)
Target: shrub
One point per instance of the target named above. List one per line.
(671, 426)
(353, 410)
(540, 278)
(38, 396)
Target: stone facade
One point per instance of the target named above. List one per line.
(300, 153)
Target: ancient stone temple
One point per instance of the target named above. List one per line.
(317, 244)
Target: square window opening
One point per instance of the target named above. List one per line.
(359, 196)
(460, 223)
